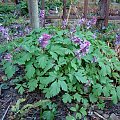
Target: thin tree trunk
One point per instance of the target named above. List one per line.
(33, 13)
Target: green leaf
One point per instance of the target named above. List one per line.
(61, 61)
(32, 84)
(80, 77)
(83, 111)
(93, 99)
(73, 109)
(58, 49)
(114, 96)
(48, 115)
(118, 92)
(77, 97)
(78, 115)
(23, 57)
(48, 67)
(54, 55)
(46, 80)
(21, 87)
(73, 64)
(30, 70)
(54, 88)
(9, 70)
(42, 61)
(63, 85)
(106, 91)
(67, 98)
(70, 117)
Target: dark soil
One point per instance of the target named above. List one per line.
(9, 97)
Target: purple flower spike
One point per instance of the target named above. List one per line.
(77, 40)
(117, 41)
(94, 20)
(42, 14)
(4, 31)
(64, 23)
(84, 49)
(77, 54)
(91, 22)
(43, 40)
(82, 21)
(8, 57)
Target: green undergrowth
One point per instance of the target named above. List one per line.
(56, 71)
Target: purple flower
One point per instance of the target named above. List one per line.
(76, 40)
(42, 14)
(72, 30)
(27, 30)
(77, 54)
(89, 25)
(64, 23)
(91, 22)
(82, 21)
(84, 49)
(117, 41)
(43, 40)
(8, 57)
(4, 32)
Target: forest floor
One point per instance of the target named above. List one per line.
(9, 96)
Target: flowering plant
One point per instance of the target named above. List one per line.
(65, 63)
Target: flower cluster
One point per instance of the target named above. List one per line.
(42, 14)
(8, 57)
(82, 21)
(44, 39)
(117, 41)
(77, 40)
(4, 32)
(87, 23)
(64, 24)
(83, 44)
(91, 22)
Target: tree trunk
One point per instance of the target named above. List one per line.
(33, 13)
(103, 13)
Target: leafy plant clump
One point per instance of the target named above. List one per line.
(74, 65)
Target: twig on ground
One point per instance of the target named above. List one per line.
(5, 112)
(100, 115)
(7, 102)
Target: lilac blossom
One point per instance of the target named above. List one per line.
(27, 30)
(44, 39)
(84, 49)
(82, 21)
(42, 14)
(8, 57)
(76, 40)
(72, 30)
(64, 23)
(4, 32)
(91, 22)
(117, 41)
